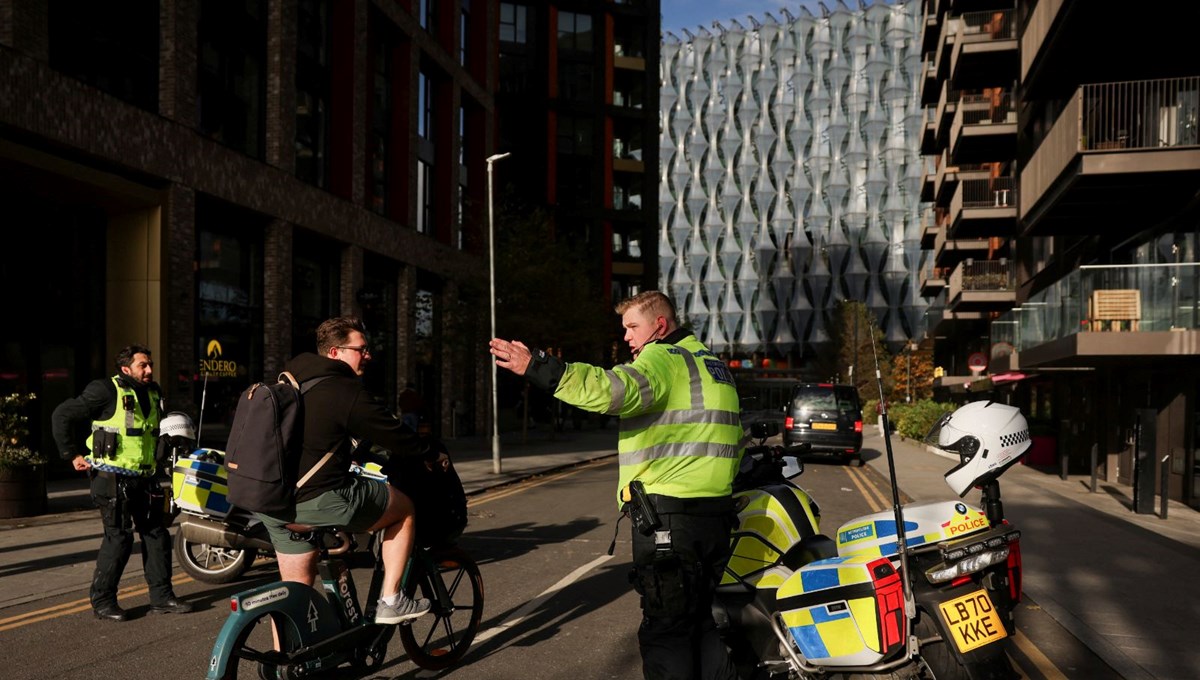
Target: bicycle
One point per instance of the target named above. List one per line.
(286, 630)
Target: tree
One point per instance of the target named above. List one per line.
(912, 373)
(853, 360)
(544, 295)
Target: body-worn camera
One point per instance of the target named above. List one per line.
(639, 508)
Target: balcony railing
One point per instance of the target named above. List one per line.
(1142, 114)
(1168, 296)
(984, 26)
(996, 192)
(983, 276)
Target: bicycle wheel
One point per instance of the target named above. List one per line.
(440, 638)
(254, 653)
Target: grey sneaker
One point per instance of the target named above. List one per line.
(404, 610)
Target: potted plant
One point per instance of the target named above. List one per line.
(22, 470)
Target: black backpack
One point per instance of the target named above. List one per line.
(437, 495)
(263, 453)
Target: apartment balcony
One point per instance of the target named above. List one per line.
(944, 113)
(933, 280)
(929, 231)
(1064, 43)
(949, 252)
(982, 286)
(947, 34)
(1135, 313)
(929, 82)
(983, 207)
(1119, 155)
(948, 175)
(931, 23)
(984, 128)
(984, 50)
(929, 145)
(927, 177)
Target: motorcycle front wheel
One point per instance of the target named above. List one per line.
(210, 563)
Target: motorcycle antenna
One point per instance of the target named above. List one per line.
(200, 421)
(910, 608)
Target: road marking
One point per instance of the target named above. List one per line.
(75, 606)
(524, 612)
(1040, 661)
(519, 487)
(872, 495)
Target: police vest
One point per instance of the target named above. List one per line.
(680, 423)
(135, 434)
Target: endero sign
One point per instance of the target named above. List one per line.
(216, 367)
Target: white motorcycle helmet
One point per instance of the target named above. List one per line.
(177, 424)
(988, 438)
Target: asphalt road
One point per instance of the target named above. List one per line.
(557, 606)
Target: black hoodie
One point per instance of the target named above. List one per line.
(337, 409)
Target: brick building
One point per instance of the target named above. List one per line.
(213, 179)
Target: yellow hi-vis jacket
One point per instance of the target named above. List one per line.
(136, 434)
(680, 425)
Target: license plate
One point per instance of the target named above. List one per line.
(824, 426)
(973, 621)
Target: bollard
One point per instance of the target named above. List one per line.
(1095, 455)
(1166, 477)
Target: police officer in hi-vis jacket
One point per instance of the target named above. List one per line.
(680, 446)
(121, 415)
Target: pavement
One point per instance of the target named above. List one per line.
(1121, 582)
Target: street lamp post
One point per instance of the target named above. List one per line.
(492, 291)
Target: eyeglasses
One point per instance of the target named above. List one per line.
(364, 350)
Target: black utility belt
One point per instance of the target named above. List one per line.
(128, 479)
(707, 505)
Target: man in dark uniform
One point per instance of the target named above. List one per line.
(122, 414)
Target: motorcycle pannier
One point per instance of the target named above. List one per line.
(200, 485)
(845, 611)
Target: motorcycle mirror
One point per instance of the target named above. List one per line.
(764, 429)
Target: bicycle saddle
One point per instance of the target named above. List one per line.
(342, 541)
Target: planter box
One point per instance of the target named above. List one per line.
(22, 491)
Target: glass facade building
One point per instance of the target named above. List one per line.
(791, 177)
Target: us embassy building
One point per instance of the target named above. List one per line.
(791, 177)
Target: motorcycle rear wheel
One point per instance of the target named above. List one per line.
(210, 563)
(940, 662)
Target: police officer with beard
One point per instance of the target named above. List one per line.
(122, 415)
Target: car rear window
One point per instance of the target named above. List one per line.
(826, 397)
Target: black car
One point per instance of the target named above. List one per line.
(827, 416)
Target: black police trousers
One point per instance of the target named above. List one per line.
(678, 638)
(126, 504)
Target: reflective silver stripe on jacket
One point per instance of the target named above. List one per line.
(618, 388)
(670, 450)
(694, 379)
(681, 417)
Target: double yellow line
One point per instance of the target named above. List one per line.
(75, 606)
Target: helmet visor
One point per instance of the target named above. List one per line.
(945, 436)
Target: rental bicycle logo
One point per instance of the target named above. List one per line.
(214, 366)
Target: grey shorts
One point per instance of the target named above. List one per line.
(356, 506)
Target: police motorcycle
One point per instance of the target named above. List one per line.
(934, 601)
(215, 542)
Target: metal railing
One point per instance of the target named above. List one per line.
(996, 192)
(991, 25)
(985, 109)
(1140, 114)
(1169, 298)
(1102, 117)
(983, 275)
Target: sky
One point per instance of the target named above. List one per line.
(689, 14)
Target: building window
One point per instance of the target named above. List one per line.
(428, 16)
(110, 46)
(231, 56)
(574, 136)
(313, 82)
(464, 23)
(513, 23)
(316, 277)
(424, 106)
(380, 131)
(424, 197)
(574, 32)
(575, 81)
